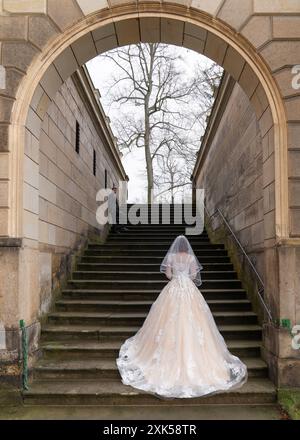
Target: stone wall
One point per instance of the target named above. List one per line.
(59, 201)
(64, 191)
(231, 171)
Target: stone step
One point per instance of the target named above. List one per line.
(144, 251)
(145, 236)
(138, 318)
(104, 333)
(145, 294)
(141, 284)
(84, 349)
(106, 369)
(255, 391)
(150, 244)
(146, 275)
(140, 267)
(150, 259)
(155, 225)
(140, 306)
(268, 411)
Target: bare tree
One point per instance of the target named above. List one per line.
(165, 110)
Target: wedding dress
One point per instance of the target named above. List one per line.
(179, 352)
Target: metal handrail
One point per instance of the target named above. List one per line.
(267, 309)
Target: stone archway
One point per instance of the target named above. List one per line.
(206, 27)
(193, 30)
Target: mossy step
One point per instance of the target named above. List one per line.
(118, 318)
(150, 267)
(255, 391)
(141, 275)
(106, 332)
(101, 350)
(144, 305)
(152, 294)
(107, 368)
(133, 259)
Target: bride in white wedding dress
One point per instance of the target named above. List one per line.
(179, 352)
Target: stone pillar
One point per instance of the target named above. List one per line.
(283, 292)
(19, 299)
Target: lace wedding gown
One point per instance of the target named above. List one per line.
(179, 352)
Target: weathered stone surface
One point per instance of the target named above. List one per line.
(31, 146)
(294, 135)
(193, 43)
(235, 12)
(51, 81)
(4, 224)
(33, 123)
(31, 198)
(128, 31)
(25, 6)
(292, 106)
(232, 173)
(13, 79)
(6, 105)
(269, 172)
(45, 277)
(4, 194)
(106, 44)
(258, 30)
(233, 63)
(294, 193)
(172, 31)
(281, 53)
(276, 6)
(266, 121)
(41, 31)
(269, 226)
(195, 31)
(284, 80)
(215, 48)
(286, 27)
(4, 137)
(248, 81)
(18, 55)
(289, 372)
(295, 221)
(43, 105)
(84, 49)
(71, 13)
(66, 63)
(269, 197)
(13, 28)
(209, 6)
(104, 31)
(259, 101)
(90, 6)
(150, 29)
(4, 166)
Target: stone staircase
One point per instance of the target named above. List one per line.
(107, 300)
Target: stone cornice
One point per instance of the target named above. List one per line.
(224, 92)
(85, 87)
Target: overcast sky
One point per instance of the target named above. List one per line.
(134, 163)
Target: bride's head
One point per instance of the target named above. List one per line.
(182, 244)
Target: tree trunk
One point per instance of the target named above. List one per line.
(148, 158)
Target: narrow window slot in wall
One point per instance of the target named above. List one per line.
(105, 179)
(94, 162)
(77, 141)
